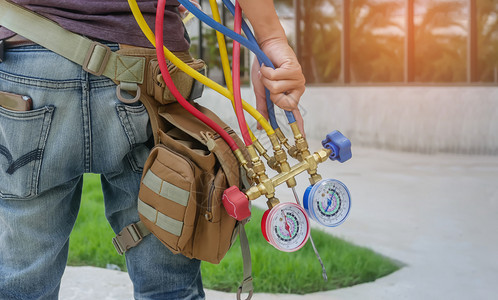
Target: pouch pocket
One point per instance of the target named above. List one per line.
(156, 87)
(167, 197)
(214, 229)
(212, 197)
(23, 135)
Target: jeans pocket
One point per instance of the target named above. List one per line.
(135, 123)
(23, 135)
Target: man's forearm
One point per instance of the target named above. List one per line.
(263, 18)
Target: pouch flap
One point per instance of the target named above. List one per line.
(175, 114)
(202, 158)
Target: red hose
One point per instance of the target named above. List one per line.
(237, 98)
(171, 86)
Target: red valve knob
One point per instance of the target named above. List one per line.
(236, 203)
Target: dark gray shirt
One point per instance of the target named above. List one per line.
(110, 20)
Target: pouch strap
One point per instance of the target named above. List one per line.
(95, 57)
(130, 236)
(246, 285)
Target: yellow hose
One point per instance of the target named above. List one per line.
(222, 46)
(224, 57)
(137, 14)
(188, 18)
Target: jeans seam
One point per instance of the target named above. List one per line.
(41, 145)
(133, 163)
(87, 121)
(38, 82)
(125, 123)
(124, 118)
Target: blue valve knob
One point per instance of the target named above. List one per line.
(340, 146)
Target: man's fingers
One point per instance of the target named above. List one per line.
(281, 86)
(286, 88)
(299, 120)
(282, 73)
(287, 101)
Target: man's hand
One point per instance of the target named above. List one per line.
(285, 83)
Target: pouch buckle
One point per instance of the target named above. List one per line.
(95, 65)
(128, 238)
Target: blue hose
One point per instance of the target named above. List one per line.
(245, 27)
(251, 45)
(250, 36)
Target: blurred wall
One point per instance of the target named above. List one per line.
(408, 118)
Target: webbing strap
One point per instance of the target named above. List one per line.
(133, 234)
(95, 58)
(246, 285)
(165, 189)
(161, 220)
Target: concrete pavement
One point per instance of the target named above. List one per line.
(436, 214)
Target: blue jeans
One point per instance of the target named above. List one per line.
(76, 126)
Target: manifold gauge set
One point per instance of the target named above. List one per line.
(285, 225)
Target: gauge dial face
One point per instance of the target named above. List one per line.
(330, 202)
(287, 227)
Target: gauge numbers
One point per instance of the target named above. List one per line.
(328, 202)
(286, 227)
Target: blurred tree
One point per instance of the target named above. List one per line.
(321, 40)
(377, 41)
(441, 42)
(487, 22)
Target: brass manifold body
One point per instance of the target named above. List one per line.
(266, 185)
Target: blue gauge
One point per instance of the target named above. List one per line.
(328, 202)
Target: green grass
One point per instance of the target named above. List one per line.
(297, 272)
(273, 271)
(91, 240)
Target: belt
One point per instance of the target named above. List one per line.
(17, 41)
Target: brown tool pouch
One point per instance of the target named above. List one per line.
(182, 186)
(186, 173)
